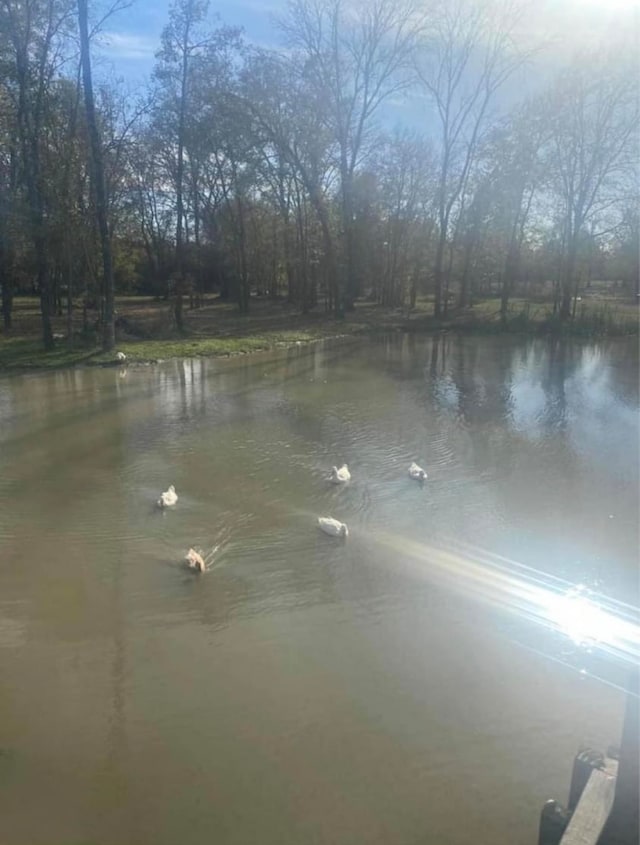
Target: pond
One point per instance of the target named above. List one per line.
(405, 685)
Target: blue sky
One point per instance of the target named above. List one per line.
(131, 37)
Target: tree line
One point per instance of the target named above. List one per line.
(274, 172)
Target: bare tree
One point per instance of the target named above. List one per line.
(35, 31)
(64, 157)
(289, 111)
(257, 170)
(358, 54)
(468, 57)
(97, 173)
(181, 41)
(8, 197)
(150, 204)
(504, 199)
(404, 170)
(626, 249)
(187, 53)
(593, 115)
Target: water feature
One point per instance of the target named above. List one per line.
(401, 686)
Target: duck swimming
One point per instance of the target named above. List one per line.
(416, 472)
(168, 498)
(195, 561)
(340, 476)
(333, 527)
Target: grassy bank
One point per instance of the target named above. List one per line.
(594, 317)
(27, 353)
(217, 329)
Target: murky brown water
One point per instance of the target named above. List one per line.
(305, 690)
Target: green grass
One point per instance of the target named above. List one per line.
(198, 347)
(595, 317)
(27, 353)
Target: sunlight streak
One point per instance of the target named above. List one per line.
(589, 620)
(580, 617)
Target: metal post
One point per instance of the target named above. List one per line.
(622, 827)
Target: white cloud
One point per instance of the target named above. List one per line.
(128, 45)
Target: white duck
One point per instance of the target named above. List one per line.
(120, 356)
(332, 527)
(416, 472)
(195, 561)
(340, 476)
(168, 498)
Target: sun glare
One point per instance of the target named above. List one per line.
(588, 619)
(580, 618)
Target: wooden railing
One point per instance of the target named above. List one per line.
(604, 794)
(593, 809)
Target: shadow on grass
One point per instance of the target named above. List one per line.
(27, 353)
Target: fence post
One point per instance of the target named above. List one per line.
(622, 827)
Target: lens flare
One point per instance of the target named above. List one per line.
(578, 616)
(590, 620)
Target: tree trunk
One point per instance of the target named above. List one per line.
(31, 159)
(6, 283)
(243, 293)
(415, 281)
(567, 282)
(509, 275)
(274, 286)
(302, 268)
(447, 275)
(7, 298)
(463, 300)
(198, 282)
(329, 252)
(43, 284)
(350, 271)
(179, 277)
(507, 284)
(97, 172)
(70, 299)
(178, 306)
(57, 294)
(295, 290)
(437, 271)
(349, 282)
